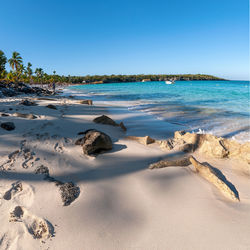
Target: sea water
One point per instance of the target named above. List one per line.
(221, 108)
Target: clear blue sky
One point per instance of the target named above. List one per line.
(130, 36)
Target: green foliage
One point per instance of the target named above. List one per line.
(3, 61)
(25, 74)
(15, 61)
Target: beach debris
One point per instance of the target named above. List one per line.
(8, 126)
(42, 170)
(28, 116)
(216, 177)
(27, 102)
(108, 121)
(89, 102)
(38, 227)
(51, 106)
(69, 192)
(145, 140)
(94, 142)
(183, 162)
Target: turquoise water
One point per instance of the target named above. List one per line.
(217, 107)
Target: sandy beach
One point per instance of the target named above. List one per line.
(119, 202)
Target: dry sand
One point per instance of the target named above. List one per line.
(122, 204)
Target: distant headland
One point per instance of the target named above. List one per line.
(20, 73)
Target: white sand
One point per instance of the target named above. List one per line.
(122, 204)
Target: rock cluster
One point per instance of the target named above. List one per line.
(11, 89)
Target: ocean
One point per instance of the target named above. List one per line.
(221, 108)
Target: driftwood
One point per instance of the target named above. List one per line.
(216, 177)
(183, 162)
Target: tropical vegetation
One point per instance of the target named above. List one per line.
(20, 73)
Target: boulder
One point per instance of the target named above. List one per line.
(94, 142)
(8, 126)
(28, 116)
(216, 177)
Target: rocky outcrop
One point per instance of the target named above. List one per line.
(88, 102)
(208, 145)
(94, 142)
(108, 121)
(182, 162)
(8, 126)
(14, 89)
(215, 176)
(27, 116)
(143, 140)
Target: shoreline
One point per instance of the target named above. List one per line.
(121, 204)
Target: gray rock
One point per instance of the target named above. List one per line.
(69, 192)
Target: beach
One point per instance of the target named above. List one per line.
(118, 202)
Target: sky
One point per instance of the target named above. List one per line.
(79, 37)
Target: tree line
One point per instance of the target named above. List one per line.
(21, 73)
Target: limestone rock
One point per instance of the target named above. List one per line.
(94, 142)
(8, 126)
(216, 177)
(143, 140)
(183, 162)
(69, 192)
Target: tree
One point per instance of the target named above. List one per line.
(15, 61)
(39, 74)
(3, 61)
(29, 71)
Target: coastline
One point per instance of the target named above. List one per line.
(122, 204)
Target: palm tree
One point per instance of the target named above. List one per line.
(15, 61)
(29, 71)
(20, 70)
(3, 61)
(39, 74)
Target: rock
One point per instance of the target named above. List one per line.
(123, 126)
(94, 142)
(28, 116)
(27, 103)
(216, 177)
(108, 121)
(89, 102)
(8, 126)
(69, 192)
(51, 106)
(105, 120)
(209, 145)
(4, 114)
(183, 162)
(143, 140)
